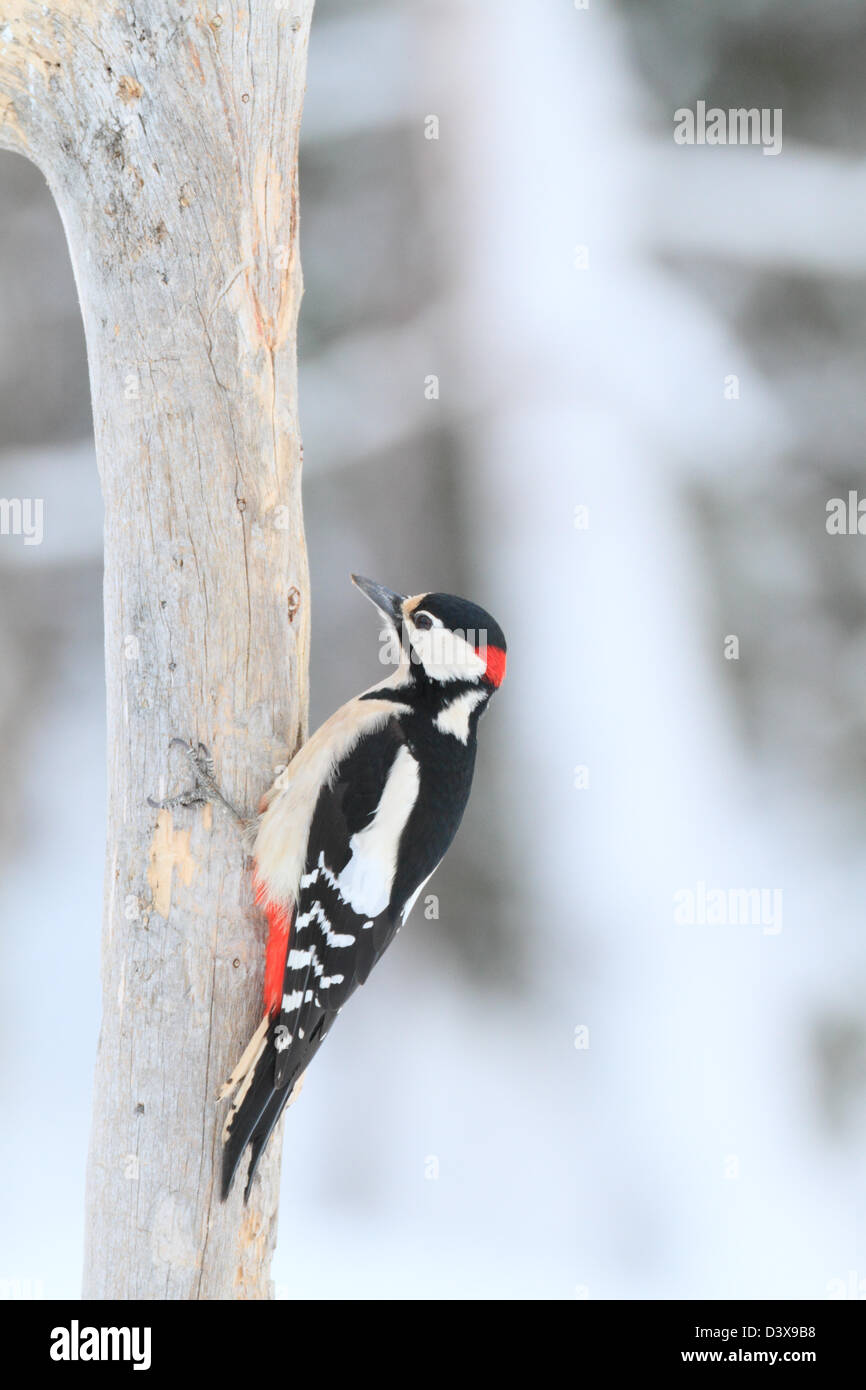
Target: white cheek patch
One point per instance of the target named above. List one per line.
(366, 881)
(449, 656)
(454, 718)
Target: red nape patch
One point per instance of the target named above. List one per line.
(279, 927)
(495, 664)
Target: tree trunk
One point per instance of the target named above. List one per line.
(169, 136)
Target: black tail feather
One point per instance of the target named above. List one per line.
(254, 1121)
(263, 1131)
(255, 1118)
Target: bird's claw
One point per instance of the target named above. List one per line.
(204, 789)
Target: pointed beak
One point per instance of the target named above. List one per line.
(385, 600)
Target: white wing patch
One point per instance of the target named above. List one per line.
(454, 718)
(366, 881)
(280, 848)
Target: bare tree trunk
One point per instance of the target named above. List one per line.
(168, 135)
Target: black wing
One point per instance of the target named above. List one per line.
(333, 947)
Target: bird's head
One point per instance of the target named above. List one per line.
(445, 639)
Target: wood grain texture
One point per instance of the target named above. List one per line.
(168, 134)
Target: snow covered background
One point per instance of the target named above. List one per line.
(554, 1090)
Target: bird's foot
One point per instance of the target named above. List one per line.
(204, 788)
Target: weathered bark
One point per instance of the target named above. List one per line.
(168, 134)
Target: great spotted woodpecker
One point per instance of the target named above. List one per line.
(348, 836)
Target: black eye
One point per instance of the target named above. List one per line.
(423, 621)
